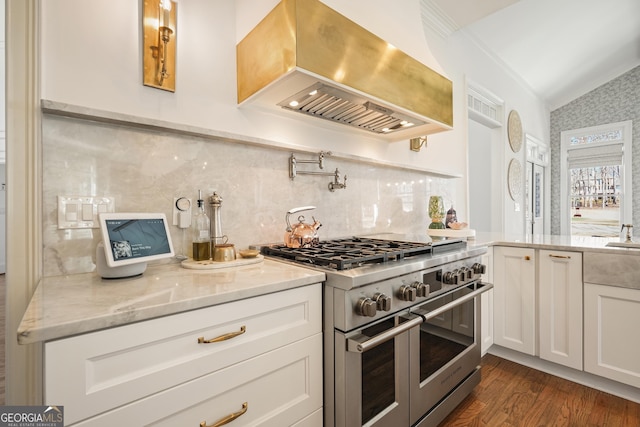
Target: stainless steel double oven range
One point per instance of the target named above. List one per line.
(401, 327)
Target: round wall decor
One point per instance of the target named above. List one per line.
(514, 131)
(514, 177)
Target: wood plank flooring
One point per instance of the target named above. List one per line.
(514, 395)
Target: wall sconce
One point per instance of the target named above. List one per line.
(415, 144)
(159, 46)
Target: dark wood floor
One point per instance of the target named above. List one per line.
(514, 395)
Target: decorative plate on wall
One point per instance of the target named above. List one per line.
(514, 131)
(514, 177)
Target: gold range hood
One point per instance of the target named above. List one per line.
(306, 58)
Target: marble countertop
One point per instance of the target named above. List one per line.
(67, 305)
(539, 241)
(552, 242)
(603, 265)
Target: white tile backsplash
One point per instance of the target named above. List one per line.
(145, 169)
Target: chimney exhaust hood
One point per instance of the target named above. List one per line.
(304, 57)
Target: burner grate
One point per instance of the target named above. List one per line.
(343, 254)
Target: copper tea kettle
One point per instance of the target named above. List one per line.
(301, 235)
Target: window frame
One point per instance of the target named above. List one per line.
(626, 206)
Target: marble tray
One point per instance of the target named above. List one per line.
(448, 232)
(210, 265)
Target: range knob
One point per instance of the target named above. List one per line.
(383, 302)
(479, 268)
(466, 273)
(460, 275)
(407, 293)
(450, 278)
(366, 307)
(422, 290)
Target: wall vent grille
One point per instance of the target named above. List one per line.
(484, 109)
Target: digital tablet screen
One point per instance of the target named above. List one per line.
(131, 238)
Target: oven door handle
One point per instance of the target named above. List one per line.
(355, 346)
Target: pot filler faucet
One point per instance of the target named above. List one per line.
(335, 185)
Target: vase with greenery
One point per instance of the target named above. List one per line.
(436, 212)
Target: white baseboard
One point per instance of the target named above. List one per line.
(594, 381)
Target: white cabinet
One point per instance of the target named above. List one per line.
(611, 336)
(268, 353)
(560, 307)
(577, 309)
(486, 304)
(514, 298)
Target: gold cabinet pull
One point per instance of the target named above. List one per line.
(228, 418)
(224, 337)
(527, 258)
(560, 256)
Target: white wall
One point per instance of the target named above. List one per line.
(3, 199)
(481, 191)
(467, 60)
(91, 54)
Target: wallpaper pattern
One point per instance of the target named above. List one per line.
(615, 101)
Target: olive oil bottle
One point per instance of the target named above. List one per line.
(200, 237)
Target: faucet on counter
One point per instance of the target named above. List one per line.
(629, 227)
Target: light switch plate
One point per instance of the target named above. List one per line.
(82, 211)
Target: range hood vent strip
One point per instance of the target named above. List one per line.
(332, 104)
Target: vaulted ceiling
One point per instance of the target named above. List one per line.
(561, 49)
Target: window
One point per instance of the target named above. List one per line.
(596, 180)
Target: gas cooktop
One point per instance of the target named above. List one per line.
(347, 253)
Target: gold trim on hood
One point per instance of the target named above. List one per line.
(307, 37)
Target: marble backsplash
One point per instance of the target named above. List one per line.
(144, 169)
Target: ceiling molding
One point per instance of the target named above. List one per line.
(434, 18)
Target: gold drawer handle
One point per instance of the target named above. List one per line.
(228, 418)
(527, 258)
(560, 256)
(224, 337)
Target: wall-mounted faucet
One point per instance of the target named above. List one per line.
(293, 165)
(336, 184)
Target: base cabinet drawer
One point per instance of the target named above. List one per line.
(313, 420)
(96, 372)
(280, 388)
